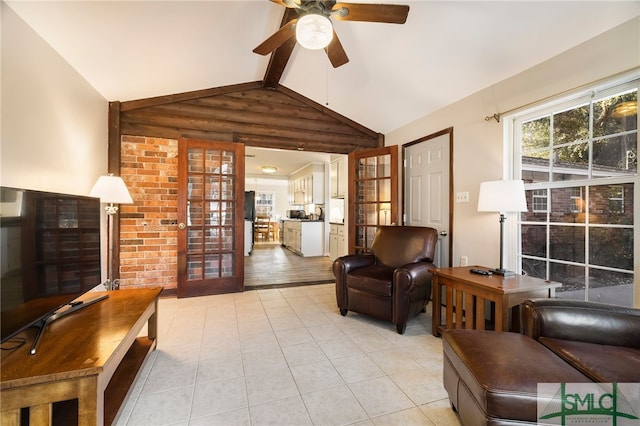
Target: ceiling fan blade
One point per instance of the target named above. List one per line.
(388, 13)
(336, 52)
(295, 4)
(277, 39)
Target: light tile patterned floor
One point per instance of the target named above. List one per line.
(286, 357)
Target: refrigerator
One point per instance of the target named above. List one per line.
(250, 205)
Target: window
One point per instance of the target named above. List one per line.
(576, 200)
(616, 199)
(578, 159)
(265, 204)
(539, 200)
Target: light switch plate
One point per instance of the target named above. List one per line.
(462, 197)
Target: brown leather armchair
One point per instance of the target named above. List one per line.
(393, 281)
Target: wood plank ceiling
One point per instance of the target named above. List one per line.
(246, 113)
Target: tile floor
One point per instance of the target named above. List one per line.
(286, 357)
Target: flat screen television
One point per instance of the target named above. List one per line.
(49, 254)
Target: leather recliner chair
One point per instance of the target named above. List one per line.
(393, 281)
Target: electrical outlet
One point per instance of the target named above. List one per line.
(462, 197)
(464, 260)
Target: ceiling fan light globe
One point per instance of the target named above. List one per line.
(314, 31)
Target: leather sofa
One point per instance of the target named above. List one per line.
(393, 281)
(491, 378)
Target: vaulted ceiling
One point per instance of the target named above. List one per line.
(446, 50)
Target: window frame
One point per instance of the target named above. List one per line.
(513, 151)
(269, 202)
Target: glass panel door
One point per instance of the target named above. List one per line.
(373, 176)
(211, 214)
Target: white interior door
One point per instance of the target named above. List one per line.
(427, 188)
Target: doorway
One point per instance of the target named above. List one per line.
(269, 264)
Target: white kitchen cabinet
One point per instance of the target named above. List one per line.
(304, 237)
(339, 178)
(333, 179)
(337, 241)
(307, 185)
(291, 238)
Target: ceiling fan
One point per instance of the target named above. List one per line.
(313, 28)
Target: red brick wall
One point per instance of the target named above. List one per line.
(148, 231)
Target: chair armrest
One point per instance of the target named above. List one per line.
(582, 321)
(350, 262)
(407, 276)
(341, 267)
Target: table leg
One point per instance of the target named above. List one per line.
(502, 315)
(90, 403)
(40, 414)
(152, 323)
(448, 313)
(479, 313)
(436, 308)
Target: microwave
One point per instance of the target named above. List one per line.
(296, 214)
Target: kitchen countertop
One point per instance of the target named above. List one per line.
(304, 220)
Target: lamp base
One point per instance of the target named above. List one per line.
(504, 272)
(111, 284)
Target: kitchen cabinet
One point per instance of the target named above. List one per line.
(307, 185)
(337, 241)
(339, 178)
(304, 237)
(291, 238)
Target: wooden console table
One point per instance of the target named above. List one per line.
(92, 356)
(470, 291)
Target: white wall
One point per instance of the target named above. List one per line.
(54, 124)
(478, 144)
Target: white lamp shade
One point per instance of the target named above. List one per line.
(111, 189)
(314, 31)
(502, 196)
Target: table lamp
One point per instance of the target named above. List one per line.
(111, 190)
(385, 208)
(503, 196)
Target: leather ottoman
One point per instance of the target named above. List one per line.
(491, 377)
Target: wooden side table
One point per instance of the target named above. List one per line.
(470, 291)
(92, 355)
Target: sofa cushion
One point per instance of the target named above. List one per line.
(601, 363)
(501, 371)
(376, 280)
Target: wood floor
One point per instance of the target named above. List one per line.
(272, 266)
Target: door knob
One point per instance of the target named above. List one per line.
(444, 233)
(181, 225)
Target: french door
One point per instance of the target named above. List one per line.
(373, 194)
(210, 217)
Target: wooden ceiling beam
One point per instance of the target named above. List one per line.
(280, 57)
(227, 126)
(179, 97)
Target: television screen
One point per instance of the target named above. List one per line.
(49, 254)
